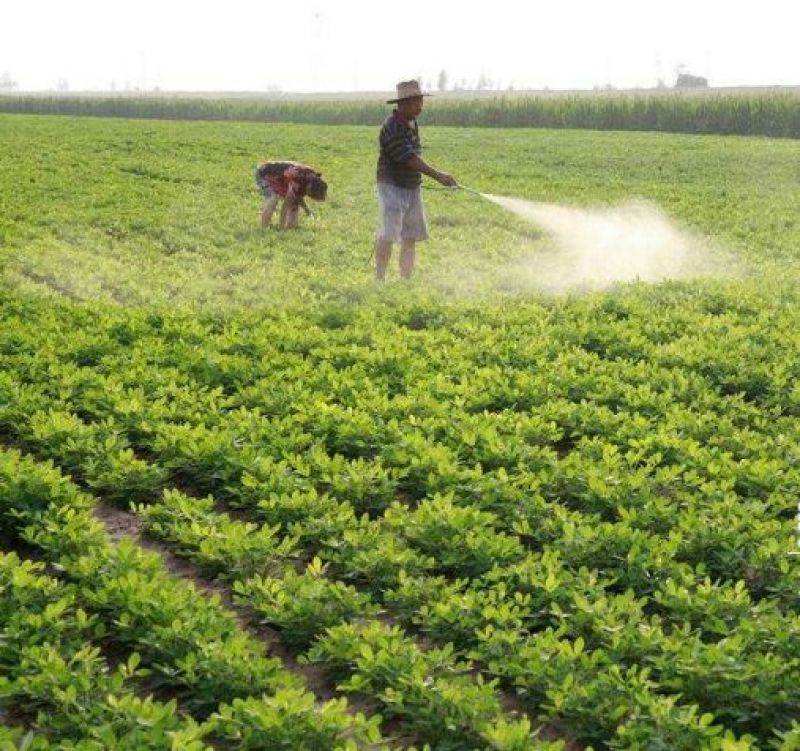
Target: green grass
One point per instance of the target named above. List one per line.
(145, 212)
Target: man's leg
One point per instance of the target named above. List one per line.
(268, 210)
(407, 257)
(415, 229)
(383, 252)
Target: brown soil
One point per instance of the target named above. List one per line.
(120, 524)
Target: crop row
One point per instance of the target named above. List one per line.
(421, 688)
(187, 645)
(497, 619)
(215, 551)
(595, 496)
(305, 603)
(56, 676)
(441, 527)
(447, 710)
(624, 493)
(506, 441)
(770, 113)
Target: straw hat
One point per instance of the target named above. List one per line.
(407, 90)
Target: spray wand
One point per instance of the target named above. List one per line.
(469, 190)
(455, 187)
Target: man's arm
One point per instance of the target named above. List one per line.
(399, 148)
(420, 165)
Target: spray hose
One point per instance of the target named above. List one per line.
(469, 190)
(455, 187)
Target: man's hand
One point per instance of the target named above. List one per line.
(420, 165)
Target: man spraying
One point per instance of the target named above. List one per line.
(400, 170)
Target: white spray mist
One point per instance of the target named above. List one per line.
(599, 247)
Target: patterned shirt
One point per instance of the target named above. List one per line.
(399, 142)
(286, 179)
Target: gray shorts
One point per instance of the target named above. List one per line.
(402, 215)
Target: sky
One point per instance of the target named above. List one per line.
(344, 45)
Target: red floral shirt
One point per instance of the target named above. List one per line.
(287, 179)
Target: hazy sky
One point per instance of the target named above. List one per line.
(309, 45)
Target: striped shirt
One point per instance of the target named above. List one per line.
(399, 141)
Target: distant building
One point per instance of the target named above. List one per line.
(688, 81)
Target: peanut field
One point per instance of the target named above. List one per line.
(250, 499)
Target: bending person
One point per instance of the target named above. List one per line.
(292, 182)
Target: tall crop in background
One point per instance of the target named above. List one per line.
(770, 113)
